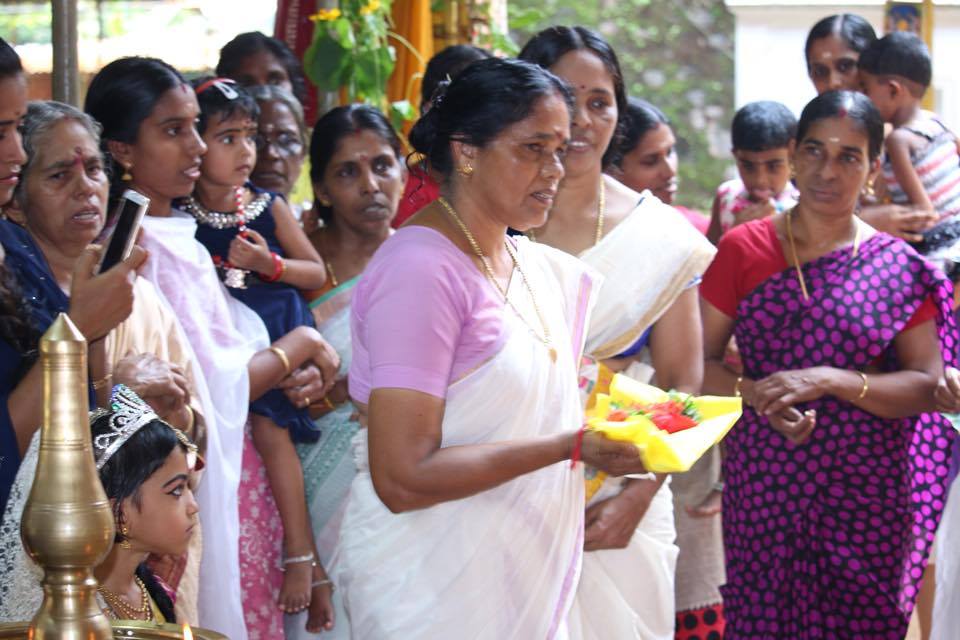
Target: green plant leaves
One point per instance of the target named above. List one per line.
(351, 51)
(326, 60)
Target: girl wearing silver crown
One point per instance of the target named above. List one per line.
(147, 470)
(145, 466)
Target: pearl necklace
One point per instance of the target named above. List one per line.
(488, 271)
(233, 277)
(226, 220)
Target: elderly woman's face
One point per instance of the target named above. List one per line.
(832, 165)
(280, 148)
(13, 104)
(65, 190)
(165, 159)
(518, 173)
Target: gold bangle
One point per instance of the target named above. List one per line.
(102, 382)
(866, 385)
(191, 421)
(329, 405)
(280, 353)
(736, 387)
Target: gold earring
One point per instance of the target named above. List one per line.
(869, 190)
(124, 534)
(466, 170)
(126, 177)
(793, 171)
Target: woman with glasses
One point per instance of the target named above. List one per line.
(281, 146)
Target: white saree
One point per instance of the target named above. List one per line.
(503, 563)
(946, 608)
(224, 334)
(647, 261)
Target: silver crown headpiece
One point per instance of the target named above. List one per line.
(128, 414)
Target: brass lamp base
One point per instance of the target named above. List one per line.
(126, 629)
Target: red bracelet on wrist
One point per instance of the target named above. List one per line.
(279, 266)
(577, 446)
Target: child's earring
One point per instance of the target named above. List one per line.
(466, 170)
(793, 171)
(868, 189)
(126, 177)
(125, 534)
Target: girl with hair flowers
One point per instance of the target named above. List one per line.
(264, 259)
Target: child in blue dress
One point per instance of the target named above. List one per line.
(265, 260)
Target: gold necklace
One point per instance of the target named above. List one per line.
(333, 276)
(796, 260)
(601, 209)
(123, 610)
(488, 271)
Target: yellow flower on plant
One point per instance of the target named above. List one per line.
(370, 7)
(326, 15)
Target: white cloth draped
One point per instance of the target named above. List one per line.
(628, 593)
(224, 334)
(19, 576)
(946, 608)
(647, 261)
(503, 563)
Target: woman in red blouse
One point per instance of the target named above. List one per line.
(836, 476)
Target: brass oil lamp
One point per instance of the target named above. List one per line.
(67, 525)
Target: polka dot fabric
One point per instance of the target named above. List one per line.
(700, 624)
(829, 539)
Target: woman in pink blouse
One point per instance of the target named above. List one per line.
(466, 517)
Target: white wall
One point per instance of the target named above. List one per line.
(769, 51)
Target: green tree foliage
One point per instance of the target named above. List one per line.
(677, 54)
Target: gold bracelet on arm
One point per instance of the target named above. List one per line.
(102, 382)
(280, 353)
(866, 386)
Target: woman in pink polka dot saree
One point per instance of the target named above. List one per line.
(836, 477)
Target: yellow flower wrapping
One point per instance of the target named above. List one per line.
(660, 451)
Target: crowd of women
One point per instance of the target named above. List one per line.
(449, 489)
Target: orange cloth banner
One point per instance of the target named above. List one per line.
(413, 22)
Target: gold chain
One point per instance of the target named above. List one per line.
(488, 271)
(122, 609)
(796, 260)
(333, 276)
(601, 210)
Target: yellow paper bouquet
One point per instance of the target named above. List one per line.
(672, 430)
